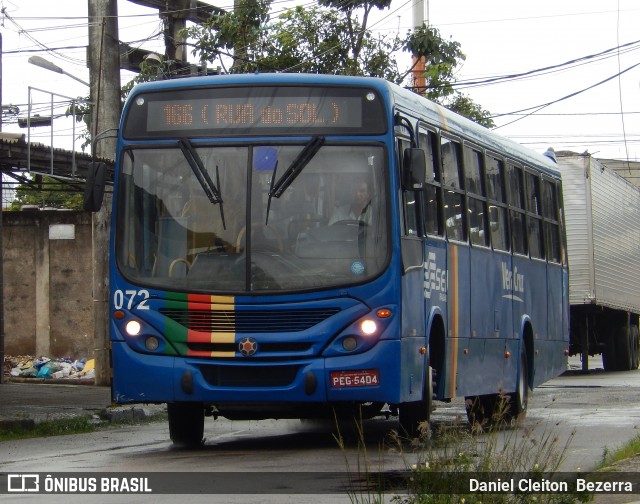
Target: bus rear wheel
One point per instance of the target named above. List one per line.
(186, 424)
(414, 416)
(517, 407)
(496, 409)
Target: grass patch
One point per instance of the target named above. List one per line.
(626, 451)
(25, 429)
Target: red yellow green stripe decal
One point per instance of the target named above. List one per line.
(183, 336)
(454, 318)
(212, 303)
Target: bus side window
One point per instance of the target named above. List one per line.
(428, 141)
(454, 211)
(550, 211)
(534, 216)
(515, 188)
(408, 197)
(474, 182)
(497, 204)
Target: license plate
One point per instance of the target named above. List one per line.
(360, 378)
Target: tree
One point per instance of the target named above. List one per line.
(47, 192)
(331, 38)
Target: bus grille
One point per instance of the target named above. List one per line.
(249, 321)
(249, 376)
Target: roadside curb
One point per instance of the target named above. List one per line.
(124, 414)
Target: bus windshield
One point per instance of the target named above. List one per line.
(252, 218)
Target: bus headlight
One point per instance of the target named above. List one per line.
(368, 327)
(133, 328)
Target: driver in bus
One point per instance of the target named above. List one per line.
(359, 209)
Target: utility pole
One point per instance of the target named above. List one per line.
(1, 242)
(419, 82)
(104, 69)
(240, 49)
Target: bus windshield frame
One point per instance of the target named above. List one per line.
(173, 234)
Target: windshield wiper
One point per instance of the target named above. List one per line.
(298, 164)
(295, 168)
(208, 186)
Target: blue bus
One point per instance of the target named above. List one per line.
(296, 246)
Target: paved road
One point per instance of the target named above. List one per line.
(595, 412)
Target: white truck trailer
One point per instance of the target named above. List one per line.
(602, 215)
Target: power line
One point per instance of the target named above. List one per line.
(536, 108)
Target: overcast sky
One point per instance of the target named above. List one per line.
(588, 106)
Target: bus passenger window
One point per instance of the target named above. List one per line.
(474, 182)
(497, 204)
(432, 198)
(516, 209)
(433, 188)
(408, 197)
(451, 163)
(428, 143)
(454, 208)
(551, 224)
(534, 216)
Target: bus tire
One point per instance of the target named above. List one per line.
(518, 400)
(414, 416)
(481, 410)
(186, 424)
(496, 409)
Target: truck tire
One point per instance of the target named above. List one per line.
(635, 347)
(186, 424)
(623, 348)
(609, 355)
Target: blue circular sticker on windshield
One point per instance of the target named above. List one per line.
(357, 268)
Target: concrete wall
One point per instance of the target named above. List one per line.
(48, 308)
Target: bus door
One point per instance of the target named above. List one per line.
(514, 279)
(414, 316)
(460, 361)
(557, 288)
(499, 305)
(490, 313)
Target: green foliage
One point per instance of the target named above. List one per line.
(47, 192)
(331, 38)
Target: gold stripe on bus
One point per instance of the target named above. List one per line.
(454, 322)
(223, 300)
(223, 337)
(225, 355)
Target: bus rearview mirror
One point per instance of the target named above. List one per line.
(94, 186)
(414, 169)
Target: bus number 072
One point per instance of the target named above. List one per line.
(130, 296)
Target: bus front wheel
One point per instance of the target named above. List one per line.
(186, 423)
(414, 416)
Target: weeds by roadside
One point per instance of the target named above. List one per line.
(441, 461)
(11, 431)
(24, 428)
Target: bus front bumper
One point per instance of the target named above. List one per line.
(372, 376)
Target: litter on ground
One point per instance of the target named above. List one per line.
(46, 368)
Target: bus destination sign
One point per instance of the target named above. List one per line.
(293, 110)
(243, 113)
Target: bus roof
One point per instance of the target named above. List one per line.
(401, 98)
